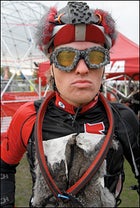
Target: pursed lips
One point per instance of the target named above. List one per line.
(81, 83)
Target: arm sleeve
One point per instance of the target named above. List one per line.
(13, 146)
(129, 137)
(7, 180)
(14, 143)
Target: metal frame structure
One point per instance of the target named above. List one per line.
(18, 51)
(19, 19)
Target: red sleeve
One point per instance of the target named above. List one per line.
(14, 144)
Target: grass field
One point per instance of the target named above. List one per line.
(24, 184)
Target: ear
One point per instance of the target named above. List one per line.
(51, 70)
(103, 72)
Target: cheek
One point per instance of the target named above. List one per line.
(61, 81)
(98, 75)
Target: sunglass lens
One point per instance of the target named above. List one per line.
(66, 58)
(96, 57)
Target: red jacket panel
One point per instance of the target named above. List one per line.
(14, 144)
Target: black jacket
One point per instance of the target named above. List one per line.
(58, 122)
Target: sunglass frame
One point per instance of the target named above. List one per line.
(80, 54)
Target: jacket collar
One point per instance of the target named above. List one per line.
(62, 104)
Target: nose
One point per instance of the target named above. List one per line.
(81, 67)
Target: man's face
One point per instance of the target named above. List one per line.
(79, 86)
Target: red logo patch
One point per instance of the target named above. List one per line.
(96, 128)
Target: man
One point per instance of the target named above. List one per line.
(74, 130)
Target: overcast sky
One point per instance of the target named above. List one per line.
(125, 13)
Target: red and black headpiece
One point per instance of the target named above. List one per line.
(75, 22)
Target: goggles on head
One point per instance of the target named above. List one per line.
(67, 58)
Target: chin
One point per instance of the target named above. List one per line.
(85, 97)
(81, 97)
(84, 100)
